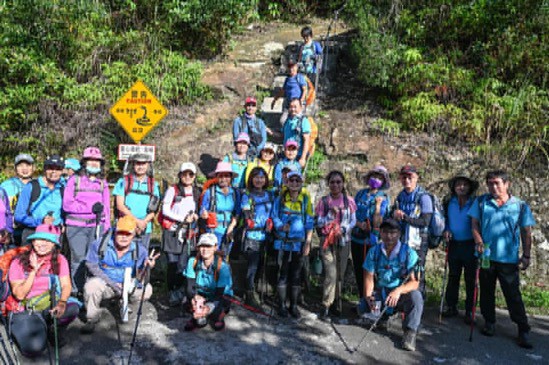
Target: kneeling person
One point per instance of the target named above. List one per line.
(396, 284)
(208, 281)
(107, 269)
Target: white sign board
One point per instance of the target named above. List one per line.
(126, 150)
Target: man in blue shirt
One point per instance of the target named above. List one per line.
(208, 282)
(44, 207)
(461, 246)
(501, 222)
(390, 277)
(137, 194)
(249, 123)
(107, 269)
(298, 128)
(413, 209)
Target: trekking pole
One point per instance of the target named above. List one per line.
(53, 292)
(380, 316)
(97, 209)
(443, 289)
(146, 278)
(8, 358)
(247, 307)
(5, 321)
(475, 295)
(338, 273)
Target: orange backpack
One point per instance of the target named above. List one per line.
(311, 93)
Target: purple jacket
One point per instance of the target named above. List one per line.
(81, 193)
(6, 216)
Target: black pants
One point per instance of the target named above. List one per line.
(254, 259)
(508, 277)
(461, 257)
(178, 255)
(290, 268)
(358, 253)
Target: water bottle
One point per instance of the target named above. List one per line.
(485, 264)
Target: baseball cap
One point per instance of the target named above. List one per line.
(188, 166)
(126, 224)
(140, 157)
(408, 169)
(250, 100)
(207, 239)
(243, 137)
(24, 157)
(291, 142)
(54, 161)
(295, 174)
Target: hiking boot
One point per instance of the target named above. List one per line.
(334, 310)
(252, 300)
(489, 329)
(282, 311)
(523, 340)
(324, 314)
(409, 340)
(88, 328)
(450, 312)
(294, 295)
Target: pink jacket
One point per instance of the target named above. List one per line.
(79, 200)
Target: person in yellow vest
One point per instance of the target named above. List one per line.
(265, 160)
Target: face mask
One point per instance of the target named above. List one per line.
(375, 183)
(93, 170)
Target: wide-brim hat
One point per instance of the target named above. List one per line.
(223, 167)
(46, 232)
(472, 183)
(382, 171)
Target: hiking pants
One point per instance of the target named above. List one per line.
(508, 277)
(358, 253)
(290, 268)
(330, 270)
(411, 304)
(461, 255)
(80, 239)
(177, 262)
(96, 290)
(254, 259)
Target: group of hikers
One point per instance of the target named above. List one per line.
(256, 205)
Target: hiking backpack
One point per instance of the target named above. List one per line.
(5, 262)
(36, 190)
(255, 137)
(436, 226)
(403, 256)
(167, 223)
(311, 93)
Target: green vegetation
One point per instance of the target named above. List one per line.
(475, 71)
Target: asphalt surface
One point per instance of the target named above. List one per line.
(255, 338)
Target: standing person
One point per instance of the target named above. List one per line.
(249, 123)
(137, 194)
(390, 278)
(221, 206)
(289, 160)
(31, 275)
(41, 200)
(87, 206)
(72, 166)
(295, 87)
(107, 265)
(413, 209)
(256, 206)
(293, 220)
(239, 159)
(372, 207)
(24, 168)
(310, 54)
(461, 246)
(298, 128)
(265, 160)
(180, 211)
(500, 223)
(208, 282)
(335, 220)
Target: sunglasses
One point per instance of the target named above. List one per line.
(294, 180)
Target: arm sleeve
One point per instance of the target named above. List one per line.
(167, 205)
(306, 126)
(277, 222)
(526, 218)
(421, 222)
(474, 211)
(23, 202)
(263, 131)
(236, 128)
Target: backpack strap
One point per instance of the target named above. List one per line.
(36, 190)
(103, 244)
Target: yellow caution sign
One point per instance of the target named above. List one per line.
(138, 111)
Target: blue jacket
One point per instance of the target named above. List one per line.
(205, 280)
(299, 215)
(260, 207)
(48, 201)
